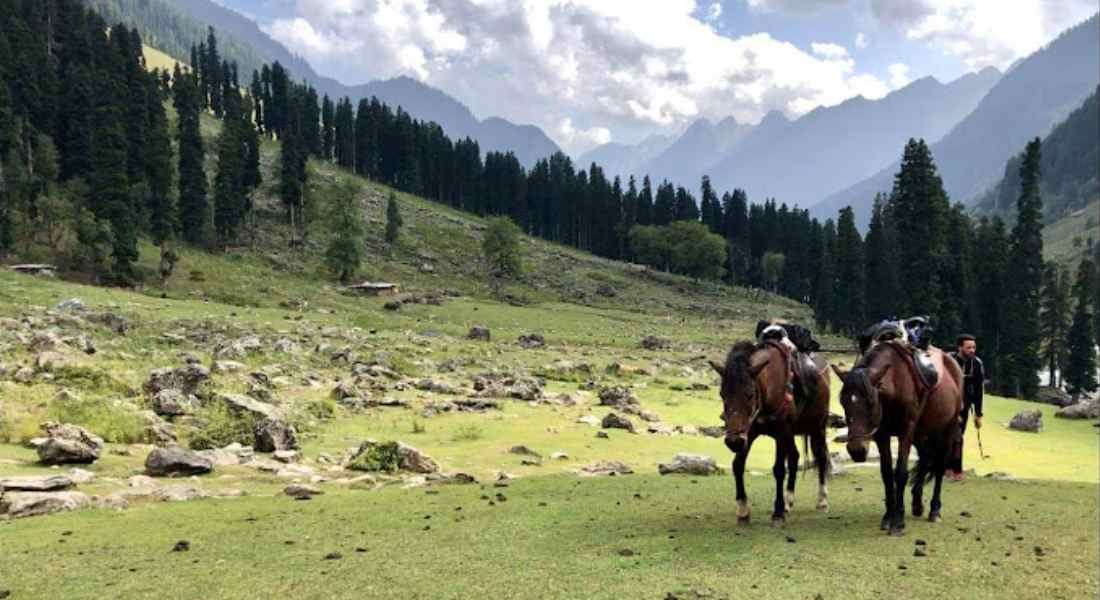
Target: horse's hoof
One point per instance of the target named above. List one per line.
(823, 507)
(779, 522)
(934, 517)
(743, 521)
(897, 531)
(918, 510)
(885, 524)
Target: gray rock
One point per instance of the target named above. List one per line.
(479, 333)
(274, 434)
(285, 345)
(187, 379)
(590, 420)
(287, 456)
(651, 342)
(33, 483)
(221, 457)
(1027, 420)
(158, 431)
(15, 505)
(69, 444)
(1055, 396)
(690, 464)
(1086, 409)
(616, 421)
(712, 431)
(531, 341)
(606, 467)
(23, 375)
(524, 451)
(179, 493)
(71, 305)
(173, 403)
(617, 396)
(228, 366)
(301, 490)
(241, 404)
(169, 462)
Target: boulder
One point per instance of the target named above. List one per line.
(478, 333)
(713, 431)
(531, 340)
(287, 456)
(1086, 409)
(651, 342)
(187, 379)
(173, 403)
(179, 493)
(158, 431)
(241, 404)
(15, 505)
(690, 464)
(605, 467)
(590, 420)
(616, 421)
(69, 444)
(221, 457)
(1027, 420)
(228, 366)
(35, 483)
(391, 457)
(617, 396)
(524, 450)
(170, 462)
(301, 491)
(285, 345)
(1055, 396)
(272, 434)
(437, 387)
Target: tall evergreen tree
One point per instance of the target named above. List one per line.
(229, 182)
(849, 264)
(158, 167)
(711, 208)
(1021, 339)
(393, 220)
(1080, 374)
(110, 198)
(193, 207)
(825, 303)
(328, 125)
(1054, 319)
(645, 202)
(991, 281)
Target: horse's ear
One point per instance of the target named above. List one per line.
(842, 374)
(718, 367)
(754, 371)
(876, 375)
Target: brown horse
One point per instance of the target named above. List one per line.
(755, 402)
(884, 397)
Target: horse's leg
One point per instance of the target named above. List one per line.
(901, 478)
(820, 450)
(924, 464)
(779, 470)
(792, 472)
(739, 480)
(887, 470)
(938, 467)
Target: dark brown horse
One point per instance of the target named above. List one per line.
(884, 397)
(756, 401)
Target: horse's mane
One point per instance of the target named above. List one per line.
(738, 361)
(859, 378)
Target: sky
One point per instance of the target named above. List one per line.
(590, 72)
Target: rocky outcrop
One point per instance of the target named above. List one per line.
(33, 483)
(690, 464)
(15, 505)
(273, 434)
(616, 421)
(391, 457)
(1027, 420)
(1086, 409)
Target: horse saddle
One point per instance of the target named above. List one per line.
(806, 379)
(925, 368)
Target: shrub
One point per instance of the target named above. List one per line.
(89, 379)
(468, 433)
(419, 426)
(113, 423)
(379, 457)
(221, 427)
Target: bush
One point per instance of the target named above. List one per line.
(323, 409)
(221, 427)
(379, 457)
(89, 379)
(419, 426)
(469, 433)
(113, 423)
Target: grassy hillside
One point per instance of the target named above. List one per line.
(1065, 240)
(155, 59)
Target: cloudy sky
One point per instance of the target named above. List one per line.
(592, 71)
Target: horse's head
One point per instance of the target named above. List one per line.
(862, 408)
(741, 395)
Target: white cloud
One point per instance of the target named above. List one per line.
(626, 65)
(793, 6)
(899, 75)
(861, 40)
(983, 33)
(582, 139)
(714, 12)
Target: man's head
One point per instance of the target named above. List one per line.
(966, 345)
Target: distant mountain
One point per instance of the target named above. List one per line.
(1038, 92)
(829, 148)
(622, 159)
(1069, 163)
(684, 161)
(173, 27)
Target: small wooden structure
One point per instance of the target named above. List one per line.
(374, 288)
(35, 269)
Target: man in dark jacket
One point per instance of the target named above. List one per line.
(966, 354)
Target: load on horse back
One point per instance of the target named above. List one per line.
(900, 390)
(761, 395)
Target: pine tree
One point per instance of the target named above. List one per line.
(212, 74)
(711, 209)
(735, 227)
(193, 205)
(75, 127)
(158, 167)
(328, 115)
(345, 250)
(256, 91)
(502, 251)
(110, 198)
(229, 185)
(7, 135)
(991, 251)
(850, 277)
(393, 221)
(645, 202)
(1054, 319)
(1080, 373)
(825, 290)
(685, 207)
(1021, 339)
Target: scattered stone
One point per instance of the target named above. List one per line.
(80, 476)
(228, 366)
(23, 375)
(68, 444)
(617, 396)
(392, 305)
(169, 462)
(658, 428)
(71, 305)
(559, 456)
(690, 464)
(616, 421)
(603, 435)
(524, 450)
(16, 505)
(437, 387)
(1055, 396)
(919, 552)
(182, 546)
(479, 333)
(712, 431)
(390, 457)
(287, 456)
(173, 403)
(187, 379)
(590, 420)
(1027, 420)
(651, 342)
(626, 552)
(604, 467)
(1086, 409)
(285, 345)
(272, 435)
(301, 491)
(35, 483)
(179, 493)
(531, 341)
